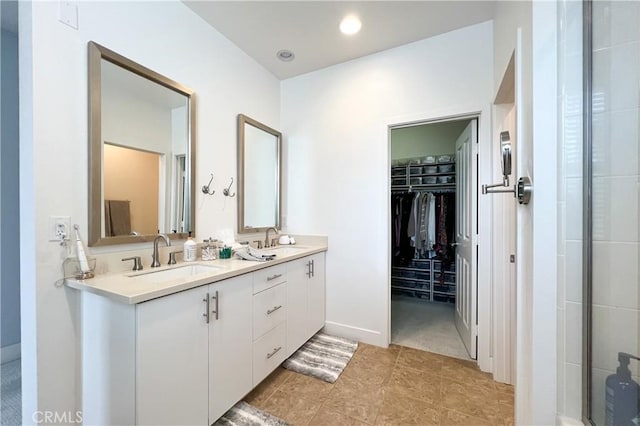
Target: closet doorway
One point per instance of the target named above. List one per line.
(433, 236)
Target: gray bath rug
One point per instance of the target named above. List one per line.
(243, 414)
(323, 357)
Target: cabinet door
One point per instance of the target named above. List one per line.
(297, 303)
(316, 313)
(230, 343)
(171, 360)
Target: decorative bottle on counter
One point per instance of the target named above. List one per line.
(190, 250)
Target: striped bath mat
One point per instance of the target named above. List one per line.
(243, 414)
(323, 357)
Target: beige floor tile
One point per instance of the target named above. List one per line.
(307, 387)
(292, 408)
(268, 386)
(394, 386)
(466, 372)
(357, 399)
(326, 417)
(420, 360)
(399, 410)
(409, 383)
(468, 399)
(384, 355)
(452, 417)
(372, 371)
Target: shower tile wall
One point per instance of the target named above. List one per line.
(569, 365)
(616, 112)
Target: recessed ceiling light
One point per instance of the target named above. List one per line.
(350, 25)
(285, 55)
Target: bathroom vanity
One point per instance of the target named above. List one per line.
(183, 344)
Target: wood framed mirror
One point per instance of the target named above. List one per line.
(259, 176)
(141, 152)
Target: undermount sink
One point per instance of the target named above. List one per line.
(185, 271)
(285, 249)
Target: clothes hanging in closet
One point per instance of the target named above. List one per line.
(423, 225)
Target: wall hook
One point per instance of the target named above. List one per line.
(227, 191)
(206, 188)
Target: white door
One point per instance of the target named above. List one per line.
(466, 253)
(230, 343)
(172, 366)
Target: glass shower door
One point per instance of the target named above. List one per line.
(612, 200)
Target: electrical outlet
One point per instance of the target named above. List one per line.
(59, 228)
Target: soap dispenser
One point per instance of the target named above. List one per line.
(622, 394)
(190, 250)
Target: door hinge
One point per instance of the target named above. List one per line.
(512, 258)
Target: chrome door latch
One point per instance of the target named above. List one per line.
(521, 190)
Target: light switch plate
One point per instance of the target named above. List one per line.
(68, 13)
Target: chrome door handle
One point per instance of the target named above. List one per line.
(275, 351)
(275, 308)
(273, 277)
(217, 299)
(206, 312)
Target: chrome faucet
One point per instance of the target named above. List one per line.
(266, 238)
(156, 261)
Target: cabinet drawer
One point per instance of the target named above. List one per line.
(269, 309)
(268, 353)
(269, 277)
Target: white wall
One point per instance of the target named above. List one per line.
(337, 156)
(428, 139)
(166, 37)
(10, 214)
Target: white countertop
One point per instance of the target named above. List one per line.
(124, 287)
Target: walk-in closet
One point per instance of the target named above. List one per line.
(424, 197)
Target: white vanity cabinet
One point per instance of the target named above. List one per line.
(189, 356)
(172, 360)
(165, 362)
(305, 299)
(230, 342)
(269, 316)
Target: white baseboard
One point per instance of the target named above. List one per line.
(10, 353)
(370, 337)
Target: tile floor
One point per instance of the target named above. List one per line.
(394, 386)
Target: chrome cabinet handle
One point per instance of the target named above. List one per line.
(275, 351)
(313, 268)
(273, 277)
(216, 310)
(206, 312)
(308, 273)
(275, 308)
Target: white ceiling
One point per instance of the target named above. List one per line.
(310, 28)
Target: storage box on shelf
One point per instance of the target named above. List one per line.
(422, 279)
(439, 173)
